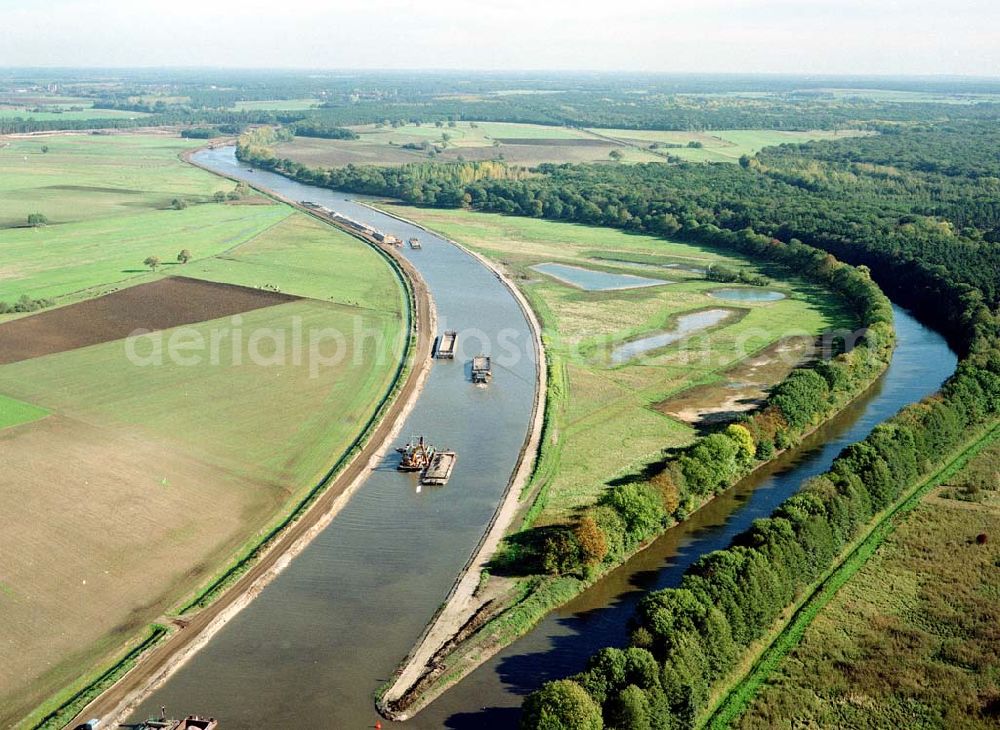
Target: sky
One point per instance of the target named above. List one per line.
(752, 36)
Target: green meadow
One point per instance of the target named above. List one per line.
(65, 262)
(602, 419)
(46, 114)
(14, 412)
(108, 204)
(304, 257)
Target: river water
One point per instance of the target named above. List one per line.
(313, 647)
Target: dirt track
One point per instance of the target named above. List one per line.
(158, 305)
(160, 662)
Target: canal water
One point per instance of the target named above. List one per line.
(311, 650)
(313, 647)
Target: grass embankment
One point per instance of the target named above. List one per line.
(601, 420)
(880, 632)
(138, 491)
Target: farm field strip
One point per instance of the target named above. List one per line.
(726, 145)
(533, 144)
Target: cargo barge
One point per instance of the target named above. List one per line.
(191, 722)
(415, 243)
(445, 348)
(482, 369)
(438, 472)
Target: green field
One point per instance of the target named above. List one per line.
(64, 261)
(45, 114)
(595, 402)
(107, 200)
(145, 479)
(718, 146)
(14, 412)
(83, 177)
(297, 257)
(910, 640)
(273, 424)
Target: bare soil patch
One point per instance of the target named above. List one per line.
(744, 387)
(159, 305)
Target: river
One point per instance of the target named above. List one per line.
(313, 647)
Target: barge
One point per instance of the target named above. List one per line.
(191, 722)
(445, 348)
(439, 470)
(415, 243)
(482, 369)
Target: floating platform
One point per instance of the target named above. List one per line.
(445, 347)
(482, 369)
(415, 243)
(438, 472)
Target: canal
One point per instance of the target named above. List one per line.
(311, 650)
(314, 646)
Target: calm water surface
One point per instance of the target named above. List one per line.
(687, 324)
(593, 280)
(747, 295)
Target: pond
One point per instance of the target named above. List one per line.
(747, 295)
(687, 324)
(690, 268)
(591, 280)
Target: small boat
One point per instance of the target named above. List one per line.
(415, 243)
(482, 369)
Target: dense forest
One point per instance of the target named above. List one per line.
(668, 102)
